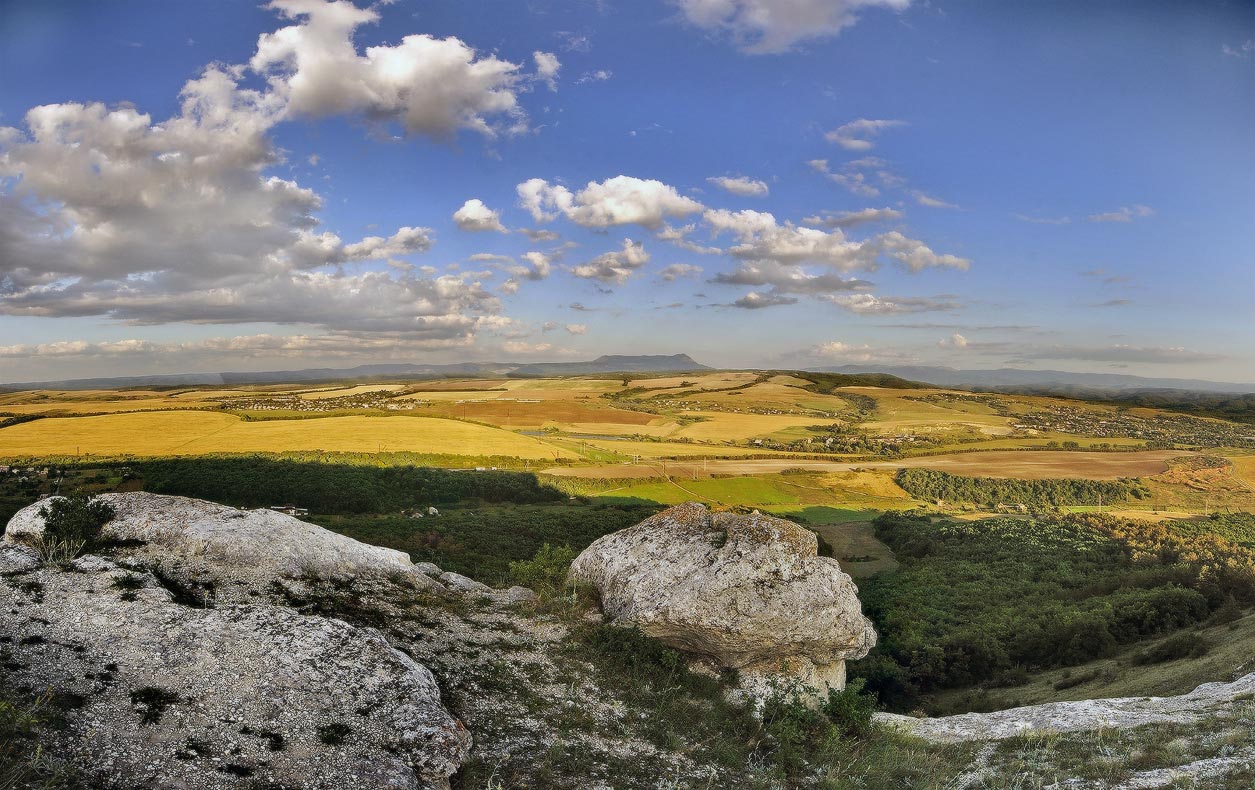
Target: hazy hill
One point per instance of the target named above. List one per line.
(1060, 381)
(603, 364)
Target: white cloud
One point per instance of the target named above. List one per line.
(577, 329)
(1123, 214)
(859, 135)
(930, 201)
(614, 267)
(547, 67)
(740, 185)
(430, 86)
(678, 270)
(757, 301)
(600, 75)
(851, 219)
(915, 255)
(763, 239)
(852, 352)
(622, 200)
(475, 217)
(867, 304)
(773, 26)
(849, 177)
(405, 241)
(956, 341)
(110, 213)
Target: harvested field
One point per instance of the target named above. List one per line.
(515, 413)
(198, 433)
(1023, 465)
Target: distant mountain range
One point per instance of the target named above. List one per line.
(679, 363)
(1052, 381)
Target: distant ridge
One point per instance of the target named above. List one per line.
(1051, 381)
(677, 363)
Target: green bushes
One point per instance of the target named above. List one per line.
(72, 525)
(972, 600)
(1187, 645)
(931, 485)
(546, 571)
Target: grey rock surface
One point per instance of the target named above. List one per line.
(234, 551)
(1092, 714)
(746, 592)
(172, 696)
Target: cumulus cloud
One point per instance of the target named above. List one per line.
(773, 26)
(678, 270)
(577, 329)
(859, 135)
(540, 234)
(1123, 214)
(431, 86)
(680, 238)
(614, 267)
(956, 341)
(743, 186)
(856, 352)
(108, 212)
(622, 200)
(475, 217)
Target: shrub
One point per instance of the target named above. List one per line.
(72, 525)
(850, 709)
(546, 571)
(1186, 645)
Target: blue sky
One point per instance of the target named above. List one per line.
(228, 185)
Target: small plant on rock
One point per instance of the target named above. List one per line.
(72, 525)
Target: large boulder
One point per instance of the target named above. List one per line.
(166, 695)
(231, 550)
(744, 592)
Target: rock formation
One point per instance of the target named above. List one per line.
(166, 695)
(233, 551)
(743, 592)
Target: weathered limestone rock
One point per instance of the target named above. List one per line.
(234, 551)
(1091, 714)
(172, 696)
(745, 592)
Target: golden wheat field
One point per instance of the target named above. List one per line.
(151, 434)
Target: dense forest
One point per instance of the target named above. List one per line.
(980, 602)
(931, 485)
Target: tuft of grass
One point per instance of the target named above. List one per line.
(151, 702)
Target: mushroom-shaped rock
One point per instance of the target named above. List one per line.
(746, 592)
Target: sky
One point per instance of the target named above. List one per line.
(227, 185)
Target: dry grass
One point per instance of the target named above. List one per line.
(197, 433)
